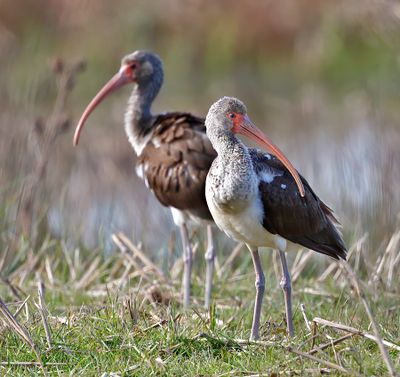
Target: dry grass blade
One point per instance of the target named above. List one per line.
(327, 272)
(394, 257)
(272, 373)
(303, 311)
(334, 265)
(139, 254)
(356, 247)
(92, 272)
(376, 276)
(299, 255)
(235, 252)
(123, 279)
(49, 270)
(321, 361)
(13, 290)
(43, 313)
(12, 322)
(116, 267)
(131, 259)
(70, 263)
(21, 307)
(317, 292)
(32, 261)
(391, 269)
(244, 342)
(354, 331)
(4, 257)
(300, 265)
(385, 355)
(331, 343)
(276, 268)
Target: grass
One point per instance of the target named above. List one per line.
(122, 315)
(125, 317)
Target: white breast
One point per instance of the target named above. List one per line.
(244, 225)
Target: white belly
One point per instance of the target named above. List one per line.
(244, 224)
(180, 217)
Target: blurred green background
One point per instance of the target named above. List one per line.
(321, 78)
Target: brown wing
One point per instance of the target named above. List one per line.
(176, 160)
(306, 221)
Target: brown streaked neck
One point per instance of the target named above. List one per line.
(138, 117)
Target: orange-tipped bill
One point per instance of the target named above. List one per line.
(124, 76)
(245, 127)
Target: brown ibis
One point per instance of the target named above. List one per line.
(173, 153)
(261, 200)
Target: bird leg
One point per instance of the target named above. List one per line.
(209, 256)
(260, 287)
(187, 264)
(286, 285)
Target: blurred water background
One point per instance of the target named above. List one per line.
(321, 78)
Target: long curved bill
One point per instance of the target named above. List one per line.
(121, 78)
(245, 127)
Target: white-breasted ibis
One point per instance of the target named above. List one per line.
(260, 199)
(173, 153)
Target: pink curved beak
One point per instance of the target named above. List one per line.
(245, 127)
(124, 76)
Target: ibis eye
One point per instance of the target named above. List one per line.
(133, 65)
(232, 115)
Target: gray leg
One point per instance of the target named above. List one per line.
(260, 287)
(286, 285)
(209, 256)
(187, 264)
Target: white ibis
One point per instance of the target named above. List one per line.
(174, 153)
(261, 200)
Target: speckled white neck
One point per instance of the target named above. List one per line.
(231, 178)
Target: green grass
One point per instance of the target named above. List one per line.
(98, 327)
(107, 320)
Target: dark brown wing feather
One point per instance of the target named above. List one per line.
(306, 221)
(176, 160)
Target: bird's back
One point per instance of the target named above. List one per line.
(175, 162)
